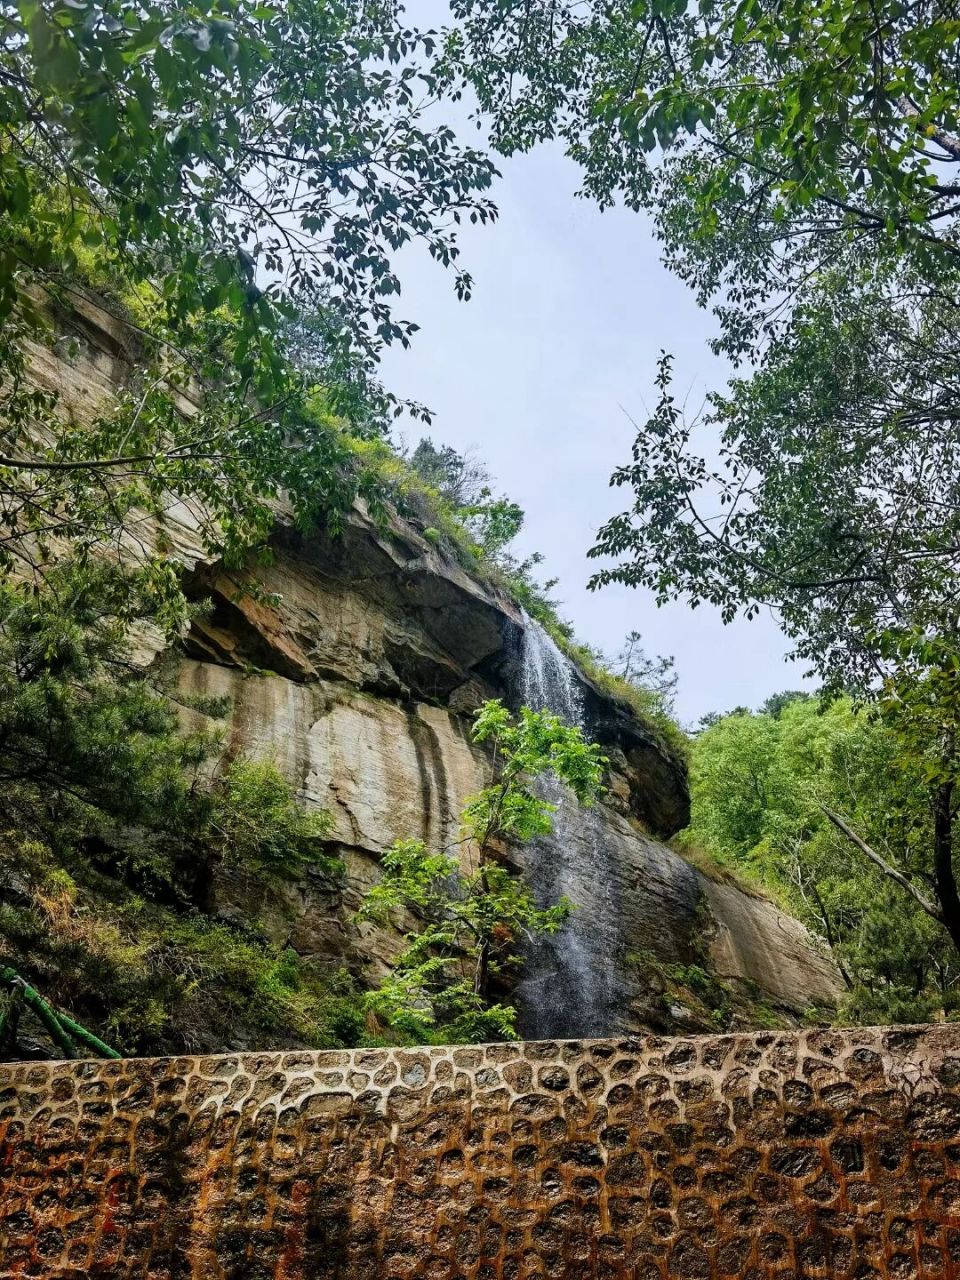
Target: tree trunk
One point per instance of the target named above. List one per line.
(832, 940)
(483, 974)
(943, 874)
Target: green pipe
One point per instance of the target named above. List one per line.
(86, 1037)
(60, 1025)
(35, 1001)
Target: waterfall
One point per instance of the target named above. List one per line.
(570, 987)
(547, 678)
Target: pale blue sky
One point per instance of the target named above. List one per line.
(570, 310)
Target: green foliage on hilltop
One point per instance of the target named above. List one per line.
(473, 918)
(761, 786)
(646, 684)
(448, 495)
(462, 484)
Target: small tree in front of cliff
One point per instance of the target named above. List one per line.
(472, 920)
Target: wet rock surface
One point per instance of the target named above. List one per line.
(772, 1155)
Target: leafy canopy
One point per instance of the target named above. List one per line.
(253, 155)
(836, 505)
(834, 499)
(767, 141)
(798, 162)
(760, 785)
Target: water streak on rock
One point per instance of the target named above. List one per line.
(571, 985)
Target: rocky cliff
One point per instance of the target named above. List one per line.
(355, 662)
(359, 683)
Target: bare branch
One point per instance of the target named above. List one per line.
(931, 908)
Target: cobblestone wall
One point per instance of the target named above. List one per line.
(821, 1154)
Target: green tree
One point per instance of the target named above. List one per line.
(767, 142)
(473, 914)
(462, 481)
(798, 165)
(655, 676)
(233, 185)
(77, 725)
(765, 790)
(459, 478)
(843, 523)
(777, 703)
(730, 769)
(494, 523)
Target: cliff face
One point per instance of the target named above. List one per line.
(355, 663)
(359, 682)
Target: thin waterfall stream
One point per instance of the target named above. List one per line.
(570, 986)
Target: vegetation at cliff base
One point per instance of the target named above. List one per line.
(114, 826)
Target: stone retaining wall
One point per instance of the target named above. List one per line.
(818, 1154)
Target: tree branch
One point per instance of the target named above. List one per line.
(932, 910)
(947, 141)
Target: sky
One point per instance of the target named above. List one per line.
(539, 370)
